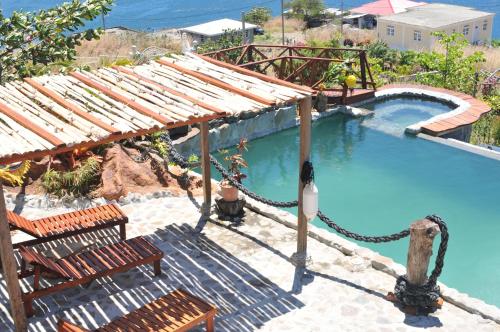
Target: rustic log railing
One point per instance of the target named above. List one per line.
(303, 65)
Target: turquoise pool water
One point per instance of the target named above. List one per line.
(374, 183)
(391, 118)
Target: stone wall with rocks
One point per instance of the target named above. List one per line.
(248, 125)
(227, 133)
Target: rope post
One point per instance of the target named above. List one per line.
(305, 109)
(422, 234)
(205, 169)
(9, 266)
(415, 291)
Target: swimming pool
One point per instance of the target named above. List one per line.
(374, 184)
(392, 119)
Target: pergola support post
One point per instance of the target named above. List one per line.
(205, 169)
(9, 266)
(305, 109)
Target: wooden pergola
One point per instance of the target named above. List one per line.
(51, 115)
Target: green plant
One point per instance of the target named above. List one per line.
(236, 162)
(453, 70)
(258, 15)
(30, 42)
(78, 182)
(158, 144)
(337, 73)
(230, 38)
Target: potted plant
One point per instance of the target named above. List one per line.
(228, 192)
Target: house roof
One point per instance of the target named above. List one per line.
(218, 27)
(436, 15)
(54, 114)
(386, 7)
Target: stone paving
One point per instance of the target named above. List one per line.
(245, 270)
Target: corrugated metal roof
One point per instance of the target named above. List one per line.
(218, 27)
(58, 113)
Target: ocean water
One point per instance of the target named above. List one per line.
(158, 14)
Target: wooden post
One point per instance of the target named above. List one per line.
(205, 169)
(10, 270)
(305, 108)
(362, 63)
(422, 235)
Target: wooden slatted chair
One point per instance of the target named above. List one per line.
(83, 268)
(175, 312)
(69, 224)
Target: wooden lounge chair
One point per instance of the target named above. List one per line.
(83, 268)
(69, 224)
(174, 312)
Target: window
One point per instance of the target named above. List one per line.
(417, 35)
(485, 25)
(466, 30)
(390, 30)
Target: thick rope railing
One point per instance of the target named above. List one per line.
(423, 296)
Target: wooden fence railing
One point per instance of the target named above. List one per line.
(297, 64)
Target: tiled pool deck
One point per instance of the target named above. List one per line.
(470, 114)
(245, 270)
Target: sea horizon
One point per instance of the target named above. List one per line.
(153, 15)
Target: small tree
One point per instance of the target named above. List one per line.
(258, 15)
(455, 70)
(29, 41)
(306, 8)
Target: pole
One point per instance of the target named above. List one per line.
(205, 169)
(243, 29)
(341, 20)
(282, 22)
(103, 22)
(305, 108)
(10, 270)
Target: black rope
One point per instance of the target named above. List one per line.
(307, 173)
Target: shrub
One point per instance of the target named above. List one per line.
(258, 15)
(78, 182)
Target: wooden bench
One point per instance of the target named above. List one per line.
(177, 311)
(69, 224)
(83, 268)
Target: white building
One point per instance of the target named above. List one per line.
(215, 29)
(413, 29)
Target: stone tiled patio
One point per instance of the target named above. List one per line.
(244, 270)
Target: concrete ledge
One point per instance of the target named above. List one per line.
(377, 261)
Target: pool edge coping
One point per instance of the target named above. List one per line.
(464, 146)
(378, 262)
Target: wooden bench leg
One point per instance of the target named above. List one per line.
(210, 324)
(157, 267)
(123, 232)
(28, 307)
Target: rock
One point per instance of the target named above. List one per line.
(120, 172)
(245, 115)
(39, 167)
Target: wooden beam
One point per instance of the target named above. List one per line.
(218, 83)
(305, 109)
(70, 106)
(91, 144)
(10, 270)
(122, 99)
(171, 91)
(362, 63)
(26, 123)
(205, 168)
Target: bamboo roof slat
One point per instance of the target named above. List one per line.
(54, 114)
